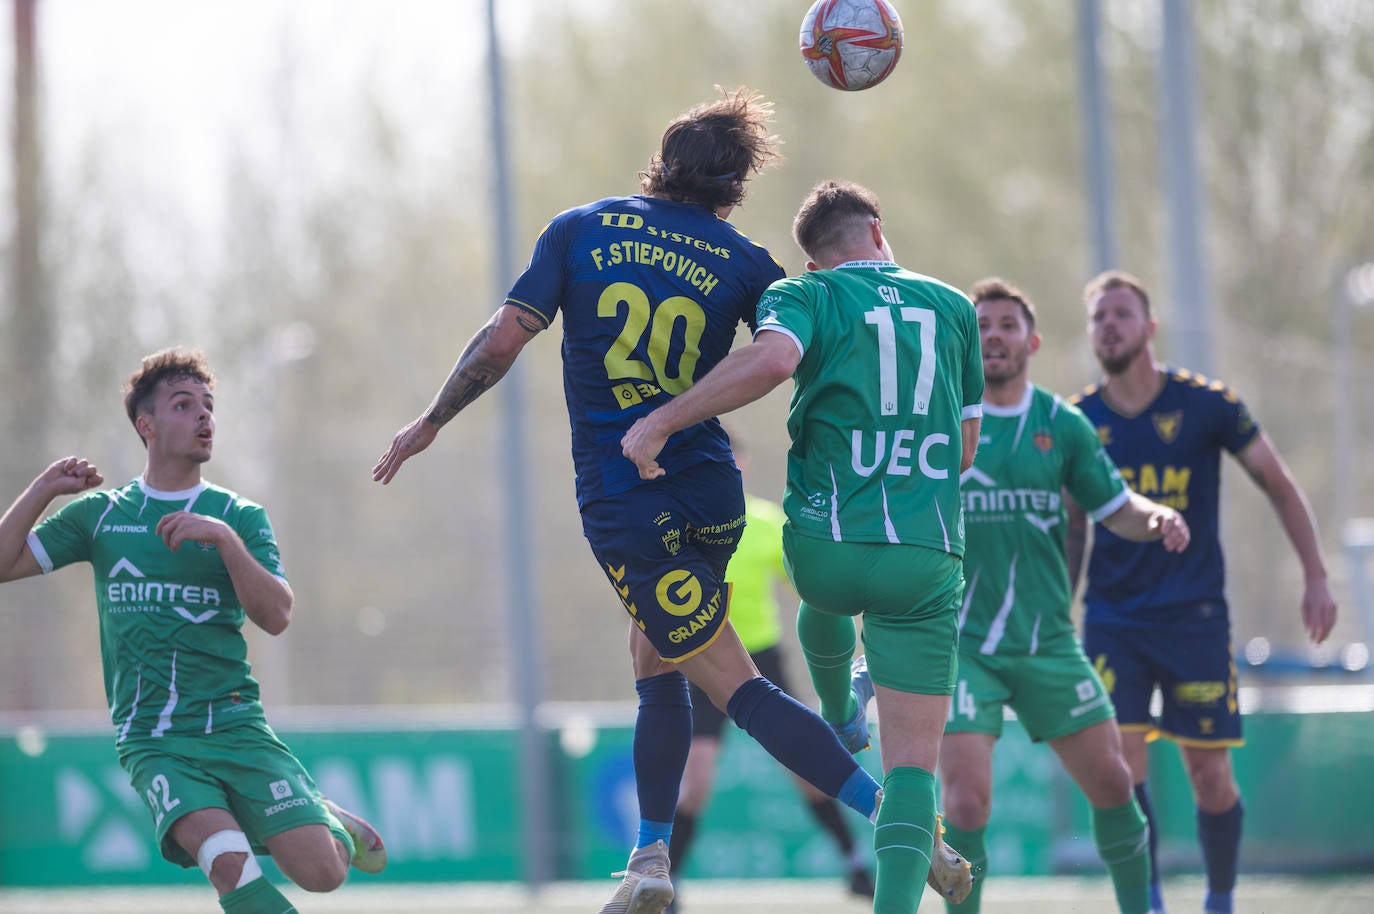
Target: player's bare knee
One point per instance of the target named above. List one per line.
(324, 874)
(967, 808)
(1214, 788)
(1209, 772)
(1111, 784)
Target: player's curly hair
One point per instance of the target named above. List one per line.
(708, 153)
(171, 364)
(831, 214)
(1116, 279)
(994, 288)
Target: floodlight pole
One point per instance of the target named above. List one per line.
(1189, 287)
(1097, 151)
(1353, 291)
(524, 635)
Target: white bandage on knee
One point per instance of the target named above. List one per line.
(229, 842)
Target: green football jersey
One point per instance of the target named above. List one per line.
(890, 368)
(1017, 596)
(174, 656)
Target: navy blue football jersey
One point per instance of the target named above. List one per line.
(1170, 452)
(652, 293)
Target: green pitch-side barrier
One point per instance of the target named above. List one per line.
(445, 796)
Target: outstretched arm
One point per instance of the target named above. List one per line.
(63, 477)
(485, 360)
(740, 378)
(1271, 474)
(1142, 520)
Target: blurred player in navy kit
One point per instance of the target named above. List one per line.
(1156, 618)
(652, 288)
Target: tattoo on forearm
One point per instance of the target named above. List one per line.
(473, 376)
(478, 369)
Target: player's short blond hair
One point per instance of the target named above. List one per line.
(1116, 279)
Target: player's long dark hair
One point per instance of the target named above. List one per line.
(708, 153)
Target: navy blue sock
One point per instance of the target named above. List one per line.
(663, 734)
(796, 736)
(1142, 796)
(1219, 835)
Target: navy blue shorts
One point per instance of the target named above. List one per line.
(1194, 667)
(664, 546)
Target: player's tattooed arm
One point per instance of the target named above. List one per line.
(484, 361)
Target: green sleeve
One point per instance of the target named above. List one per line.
(1089, 473)
(973, 364)
(65, 537)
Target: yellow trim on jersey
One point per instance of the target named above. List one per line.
(1198, 743)
(526, 306)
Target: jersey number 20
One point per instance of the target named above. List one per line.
(661, 322)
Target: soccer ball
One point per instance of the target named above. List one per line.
(851, 44)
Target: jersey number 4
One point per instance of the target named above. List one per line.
(881, 318)
(661, 323)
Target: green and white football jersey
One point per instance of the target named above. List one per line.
(890, 368)
(1016, 596)
(174, 656)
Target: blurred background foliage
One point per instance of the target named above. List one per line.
(333, 299)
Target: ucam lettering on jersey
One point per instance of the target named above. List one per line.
(896, 459)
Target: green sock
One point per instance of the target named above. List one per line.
(827, 643)
(903, 839)
(257, 897)
(972, 844)
(1123, 840)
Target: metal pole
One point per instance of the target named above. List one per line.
(523, 632)
(1343, 410)
(1191, 295)
(30, 348)
(1097, 152)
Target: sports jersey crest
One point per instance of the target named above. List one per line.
(1167, 425)
(1043, 442)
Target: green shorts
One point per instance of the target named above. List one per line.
(1054, 692)
(245, 769)
(909, 597)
